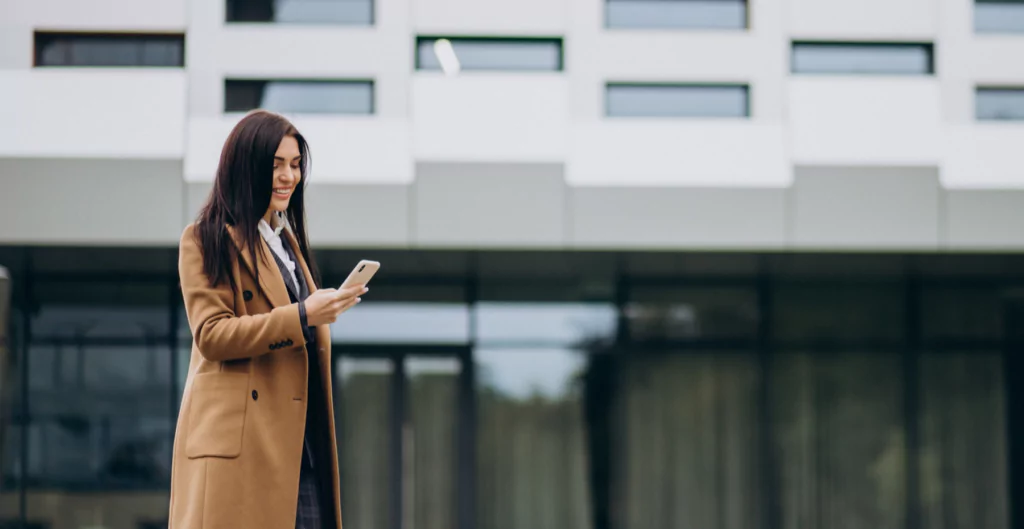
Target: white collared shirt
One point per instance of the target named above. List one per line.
(273, 238)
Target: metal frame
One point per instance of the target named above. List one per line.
(764, 345)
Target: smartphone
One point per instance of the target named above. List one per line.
(361, 274)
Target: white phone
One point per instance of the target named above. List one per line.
(361, 274)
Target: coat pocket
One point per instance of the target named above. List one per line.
(217, 415)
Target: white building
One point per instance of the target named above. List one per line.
(828, 190)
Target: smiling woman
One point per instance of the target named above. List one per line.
(255, 442)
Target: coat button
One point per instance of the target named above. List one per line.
(255, 395)
(247, 295)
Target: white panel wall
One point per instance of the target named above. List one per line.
(863, 19)
(344, 150)
(502, 17)
(697, 153)
(216, 50)
(106, 15)
(865, 121)
(983, 156)
(490, 117)
(108, 114)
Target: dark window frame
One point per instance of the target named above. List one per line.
(41, 38)
(420, 39)
(304, 80)
(745, 27)
(229, 21)
(748, 107)
(929, 47)
(979, 89)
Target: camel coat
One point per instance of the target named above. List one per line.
(238, 443)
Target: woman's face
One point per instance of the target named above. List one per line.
(286, 173)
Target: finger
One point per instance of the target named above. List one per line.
(350, 304)
(354, 290)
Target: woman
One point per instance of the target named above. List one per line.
(255, 444)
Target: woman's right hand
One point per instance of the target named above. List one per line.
(325, 305)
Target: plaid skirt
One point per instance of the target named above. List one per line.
(307, 515)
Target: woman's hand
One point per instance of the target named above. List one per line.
(325, 305)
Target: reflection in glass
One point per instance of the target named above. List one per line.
(839, 433)
(660, 313)
(566, 324)
(363, 420)
(531, 444)
(404, 323)
(685, 447)
(430, 437)
(963, 441)
(354, 12)
(496, 54)
(110, 50)
(99, 414)
(852, 58)
(677, 101)
(999, 16)
(681, 14)
(300, 97)
(999, 104)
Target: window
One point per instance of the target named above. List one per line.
(110, 50)
(678, 101)
(299, 96)
(526, 54)
(999, 16)
(350, 12)
(996, 104)
(863, 58)
(681, 14)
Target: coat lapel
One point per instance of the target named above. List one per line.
(323, 332)
(271, 280)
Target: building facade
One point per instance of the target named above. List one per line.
(646, 263)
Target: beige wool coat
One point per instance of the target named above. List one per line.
(239, 438)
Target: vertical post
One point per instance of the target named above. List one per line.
(1012, 371)
(770, 493)
(911, 399)
(466, 443)
(27, 307)
(398, 420)
(466, 502)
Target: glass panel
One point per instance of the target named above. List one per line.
(95, 309)
(840, 438)
(102, 415)
(109, 50)
(682, 14)
(363, 418)
(660, 313)
(554, 324)
(963, 457)
(531, 445)
(837, 313)
(686, 442)
(496, 54)
(999, 16)
(300, 97)
(89, 510)
(430, 436)
(837, 58)
(389, 322)
(997, 104)
(355, 12)
(962, 313)
(679, 101)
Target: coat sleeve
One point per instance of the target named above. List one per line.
(219, 333)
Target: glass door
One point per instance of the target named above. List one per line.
(401, 417)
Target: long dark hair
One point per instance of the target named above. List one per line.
(241, 195)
